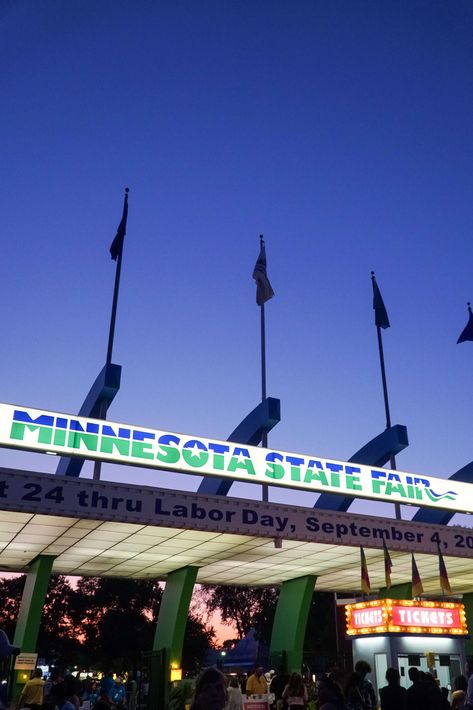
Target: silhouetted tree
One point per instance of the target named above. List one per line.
(11, 590)
(103, 621)
(245, 607)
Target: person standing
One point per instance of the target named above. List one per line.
(295, 692)
(210, 692)
(416, 695)
(362, 668)
(460, 687)
(32, 694)
(393, 695)
(235, 698)
(256, 683)
(118, 693)
(278, 683)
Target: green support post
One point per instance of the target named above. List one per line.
(290, 621)
(468, 602)
(31, 608)
(171, 626)
(397, 591)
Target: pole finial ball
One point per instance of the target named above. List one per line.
(127, 189)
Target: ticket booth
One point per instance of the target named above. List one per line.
(390, 633)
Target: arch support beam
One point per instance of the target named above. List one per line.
(250, 431)
(32, 602)
(376, 452)
(98, 400)
(172, 618)
(290, 621)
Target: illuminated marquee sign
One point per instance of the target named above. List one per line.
(405, 617)
(70, 435)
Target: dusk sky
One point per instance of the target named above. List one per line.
(340, 130)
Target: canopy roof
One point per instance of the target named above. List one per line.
(111, 543)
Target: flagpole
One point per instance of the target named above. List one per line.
(264, 292)
(392, 458)
(264, 436)
(111, 333)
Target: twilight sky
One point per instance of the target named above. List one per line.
(342, 131)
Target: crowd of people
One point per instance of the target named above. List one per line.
(65, 691)
(213, 691)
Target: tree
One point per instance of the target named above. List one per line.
(320, 644)
(244, 607)
(197, 641)
(104, 622)
(58, 639)
(11, 590)
(116, 618)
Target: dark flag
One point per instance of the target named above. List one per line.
(417, 586)
(380, 313)
(117, 244)
(365, 578)
(467, 332)
(264, 289)
(388, 565)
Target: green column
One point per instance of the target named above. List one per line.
(292, 611)
(173, 612)
(397, 591)
(468, 602)
(32, 601)
(31, 610)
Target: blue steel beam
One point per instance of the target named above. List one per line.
(443, 517)
(376, 452)
(100, 397)
(250, 431)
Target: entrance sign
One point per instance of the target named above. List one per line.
(406, 617)
(70, 435)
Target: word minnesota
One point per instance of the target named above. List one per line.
(117, 443)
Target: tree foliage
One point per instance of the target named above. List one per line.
(102, 621)
(244, 607)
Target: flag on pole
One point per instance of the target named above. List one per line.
(117, 244)
(417, 587)
(443, 574)
(388, 565)
(380, 313)
(467, 332)
(365, 578)
(264, 289)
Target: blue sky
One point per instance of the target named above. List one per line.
(339, 130)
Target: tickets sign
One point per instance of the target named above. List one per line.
(411, 617)
(70, 435)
